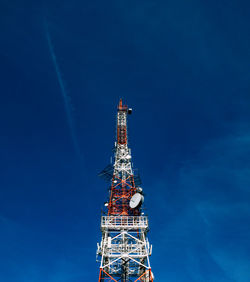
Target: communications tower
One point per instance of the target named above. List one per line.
(124, 249)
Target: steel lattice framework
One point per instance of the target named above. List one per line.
(124, 249)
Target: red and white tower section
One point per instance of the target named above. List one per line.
(124, 250)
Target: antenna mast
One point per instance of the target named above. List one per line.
(124, 249)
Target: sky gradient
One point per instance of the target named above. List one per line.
(183, 66)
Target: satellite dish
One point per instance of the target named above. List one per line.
(139, 189)
(136, 200)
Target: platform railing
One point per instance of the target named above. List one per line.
(126, 222)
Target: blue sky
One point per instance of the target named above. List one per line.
(184, 68)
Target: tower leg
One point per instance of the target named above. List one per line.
(100, 276)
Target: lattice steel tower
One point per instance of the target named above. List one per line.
(124, 249)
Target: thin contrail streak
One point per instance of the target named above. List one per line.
(64, 93)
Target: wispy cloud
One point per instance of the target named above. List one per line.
(207, 211)
(65, 96)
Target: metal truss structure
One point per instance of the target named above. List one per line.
(124, 249)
